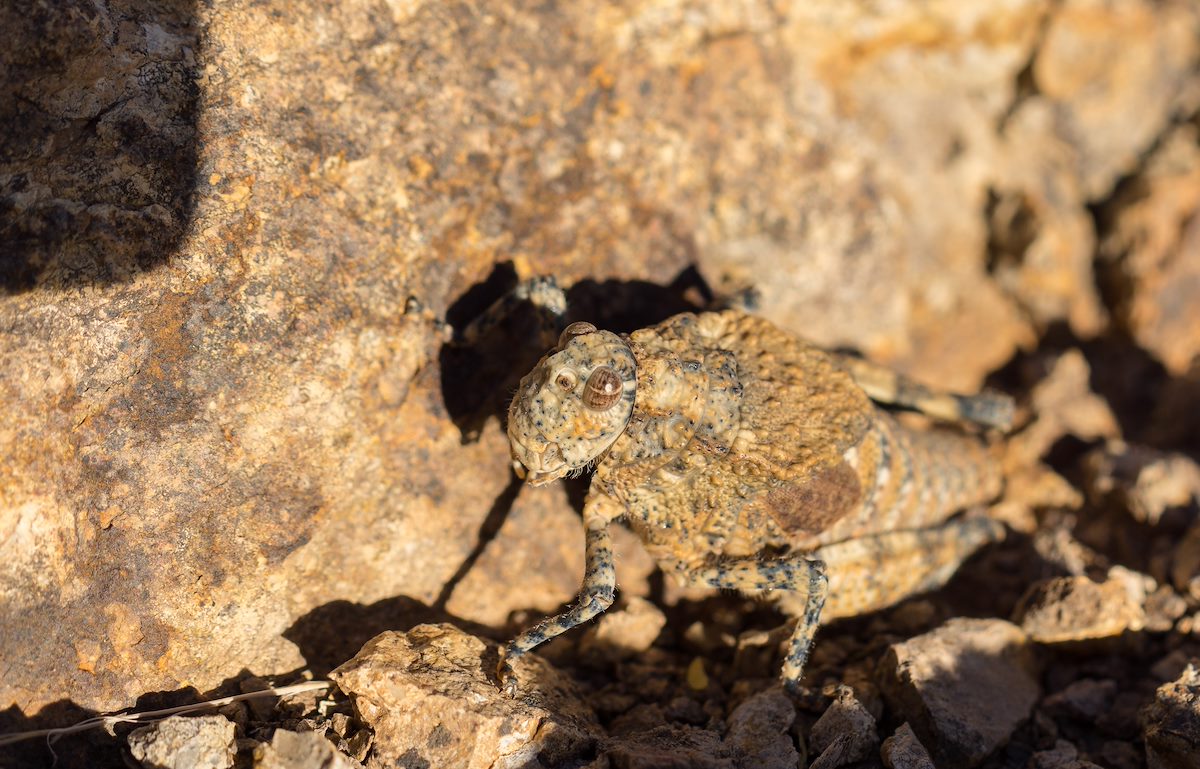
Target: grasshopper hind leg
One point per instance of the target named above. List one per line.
(799, 575)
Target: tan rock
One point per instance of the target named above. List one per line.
(1099, 91)
(430, 694)
(964, 687)
(1144, 481)
(624, 633)
(1062, 403)
(1151, 251)
(1065, 609)
(535, 561)
(301, 750)
(183, 742)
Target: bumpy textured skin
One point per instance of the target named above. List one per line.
(745, 458)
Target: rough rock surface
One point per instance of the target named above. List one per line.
(535, 561)
(964, 687)
(758, 731)
(185, 742)
(1151, 252)
(624, 633)
(1171, 723)
(1076, 608)
(845, 732)
(430, 695)
(904, 751)
(230, 236)
(300, 750)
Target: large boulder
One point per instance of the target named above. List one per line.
(231, 232)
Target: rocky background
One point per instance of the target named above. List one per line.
(234, 446)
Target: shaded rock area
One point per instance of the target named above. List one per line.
(963, 687)
(237, 443)
(1172, 722)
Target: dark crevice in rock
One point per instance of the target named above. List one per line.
(1113, 283)
(478, 380)
(1026, 86)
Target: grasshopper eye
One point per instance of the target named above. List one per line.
(578, 328)
(566, 380)
(602, 390)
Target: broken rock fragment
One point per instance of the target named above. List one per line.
(844, 733)
(432, 699)
(301, 750)
(622, 634)
(185, 742)
(964, 687)
(904, 751)
(1065, 609)
(758, 731)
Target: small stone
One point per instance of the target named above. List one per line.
(964, 687)
(623, 634)
(904, 751)
(758, 731)
(697, 678)
(1061, 756)
(340, 724)
(185, 742)
(426, 695)
(1163, 607)
(1121, 720)
(1119, 754)
(844, 733)
(1084, 700)
(640, 718)
(300, 750)
(1075, 608)
(1144, 481)
(1065, 405)
(1171, 724)
(1171, 666)
(358, 745)
(686, 709)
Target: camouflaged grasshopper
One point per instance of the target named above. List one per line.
(746, 458)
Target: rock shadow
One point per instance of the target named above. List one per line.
(98, 110)
(332, 633)
(84, 750)
(478, 380)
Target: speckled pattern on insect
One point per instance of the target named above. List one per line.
(748, 459)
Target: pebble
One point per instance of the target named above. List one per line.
(185, 742)
(301, 750)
